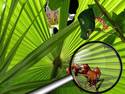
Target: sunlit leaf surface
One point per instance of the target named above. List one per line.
(15, 21)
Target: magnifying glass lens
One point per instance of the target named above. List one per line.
(96, 67)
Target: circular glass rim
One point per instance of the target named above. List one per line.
(119, 58)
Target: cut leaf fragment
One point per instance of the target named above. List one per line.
(87, 23)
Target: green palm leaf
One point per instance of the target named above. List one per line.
(26, 45)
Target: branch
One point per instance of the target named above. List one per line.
(115, 26)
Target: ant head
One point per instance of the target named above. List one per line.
(86, 66)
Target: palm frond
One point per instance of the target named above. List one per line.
(26, 45)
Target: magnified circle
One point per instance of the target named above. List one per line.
(96, 67)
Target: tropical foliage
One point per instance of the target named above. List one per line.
(30, 57)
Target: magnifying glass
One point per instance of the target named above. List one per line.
(95, 67)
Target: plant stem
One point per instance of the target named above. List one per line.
(115, 26)
(57, 63)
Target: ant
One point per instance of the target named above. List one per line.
(102, 21)
(92, 75)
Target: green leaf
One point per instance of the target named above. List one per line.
(1, 5)
(64, 13)
(12, 52)
(7, 42)
(110, 39)
(57, 63)
(43, 36)
(96, 10)
(34, 38)
(54, 5)
(25, 87)
(38, 53)
(4, 30)
(120, 20)
(2, 16)
(45, 28)
(12, 7)
(87, 22)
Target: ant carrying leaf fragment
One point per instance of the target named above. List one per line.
(92, 75)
